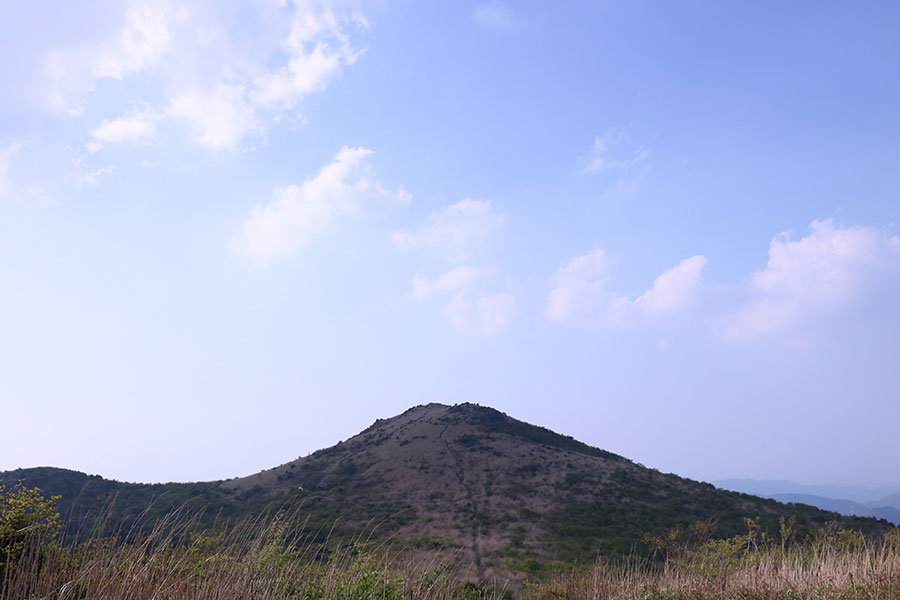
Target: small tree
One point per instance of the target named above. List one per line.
(25, 514)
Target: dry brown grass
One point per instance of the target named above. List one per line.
(265, 558)
(274, 557)
(826, 569)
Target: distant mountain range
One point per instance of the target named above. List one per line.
(886, 504)
(464, 484)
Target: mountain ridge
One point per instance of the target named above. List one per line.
(868, 495)
(842, 506)
(848, 501)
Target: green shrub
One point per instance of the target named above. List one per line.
(25, 515)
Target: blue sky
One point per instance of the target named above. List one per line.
(234, 232)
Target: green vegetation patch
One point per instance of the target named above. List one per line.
(494, 421)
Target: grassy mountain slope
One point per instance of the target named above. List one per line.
(468, 484)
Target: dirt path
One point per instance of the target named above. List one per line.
(473, 505)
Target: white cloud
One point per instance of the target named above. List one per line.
(7, 153)
(810, 278)
(19, 161)
(84, 178)
(136, 43)
(346, 187)
(65, 77)
(454, 232)
(482, 315)
(454, 280)
(218, 118)
(472, 312)
(453, 235)
(228, 75)
(495, 16)
(614, 150)
(138, 127)
(809, 285)
(249, 99)
(317, 49)
(676, 289)
(581, 293)
(142, 42)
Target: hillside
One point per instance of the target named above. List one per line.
(466, 484)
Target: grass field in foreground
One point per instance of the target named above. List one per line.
(272, 557)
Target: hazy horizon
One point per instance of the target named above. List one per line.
(232, 233)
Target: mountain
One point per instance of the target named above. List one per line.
(461, 483)
(768, 487)
(892, 501)
(849, 501)
(845, 507)
(890, 514)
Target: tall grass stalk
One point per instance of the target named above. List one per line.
(820, 570)
(272, 557)
(276, 556)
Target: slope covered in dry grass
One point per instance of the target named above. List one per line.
(278, 556)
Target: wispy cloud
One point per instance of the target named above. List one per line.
(454, 235)
(138, 127)
(455, 280)
(18, 162)
(472, 311)
(454, 232)
(137, 45)
(219, 117)
(84, 178)
(218, 75)
(225, 88)
(251, 98)
(142, 42)
(614, 150)
(495, 16)
(481, 315)
(7, 153)
(346, 187)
